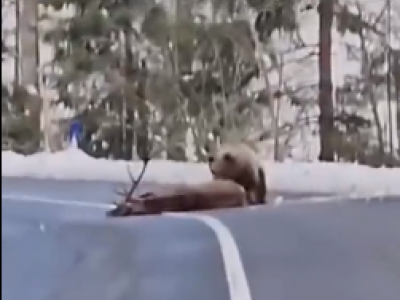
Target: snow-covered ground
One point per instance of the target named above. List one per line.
(348, 179)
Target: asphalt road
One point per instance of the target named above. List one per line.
(338, 250)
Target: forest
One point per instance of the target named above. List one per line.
(306, 80)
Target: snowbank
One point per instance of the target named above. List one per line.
(347, 179)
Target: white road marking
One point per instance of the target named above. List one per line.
(234, 270)
(325, 199)
(44, 200)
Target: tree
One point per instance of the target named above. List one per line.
(97, 72)
(170, 94)
(371, 90)
(137, 73)
(29, 41)
(326, 118)
(396, 76)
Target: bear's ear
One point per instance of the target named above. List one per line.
(228, 157)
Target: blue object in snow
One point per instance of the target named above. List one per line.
(75, 133)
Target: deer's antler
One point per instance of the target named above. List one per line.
(127, 193)
(128, 204)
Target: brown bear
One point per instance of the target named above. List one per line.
(238, 162)
(214, 194)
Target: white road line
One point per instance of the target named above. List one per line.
(235, 274)
(234, 270)
(327, 199)
(44, 200)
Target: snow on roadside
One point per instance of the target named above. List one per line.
(349, 179)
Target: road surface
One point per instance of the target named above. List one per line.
(55, 249)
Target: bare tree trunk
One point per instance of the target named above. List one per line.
(365, 70)
(128, 114)
(397, 93)
(326, 118)
(17, 69)
(389, 77)
(396, 76)
(28, 34)
(28, 65)
(176, 136)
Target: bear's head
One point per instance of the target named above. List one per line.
(229, 162)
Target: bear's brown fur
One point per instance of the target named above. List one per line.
(238, 162)
(204, 196)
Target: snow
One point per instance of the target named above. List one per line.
(289, 176)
